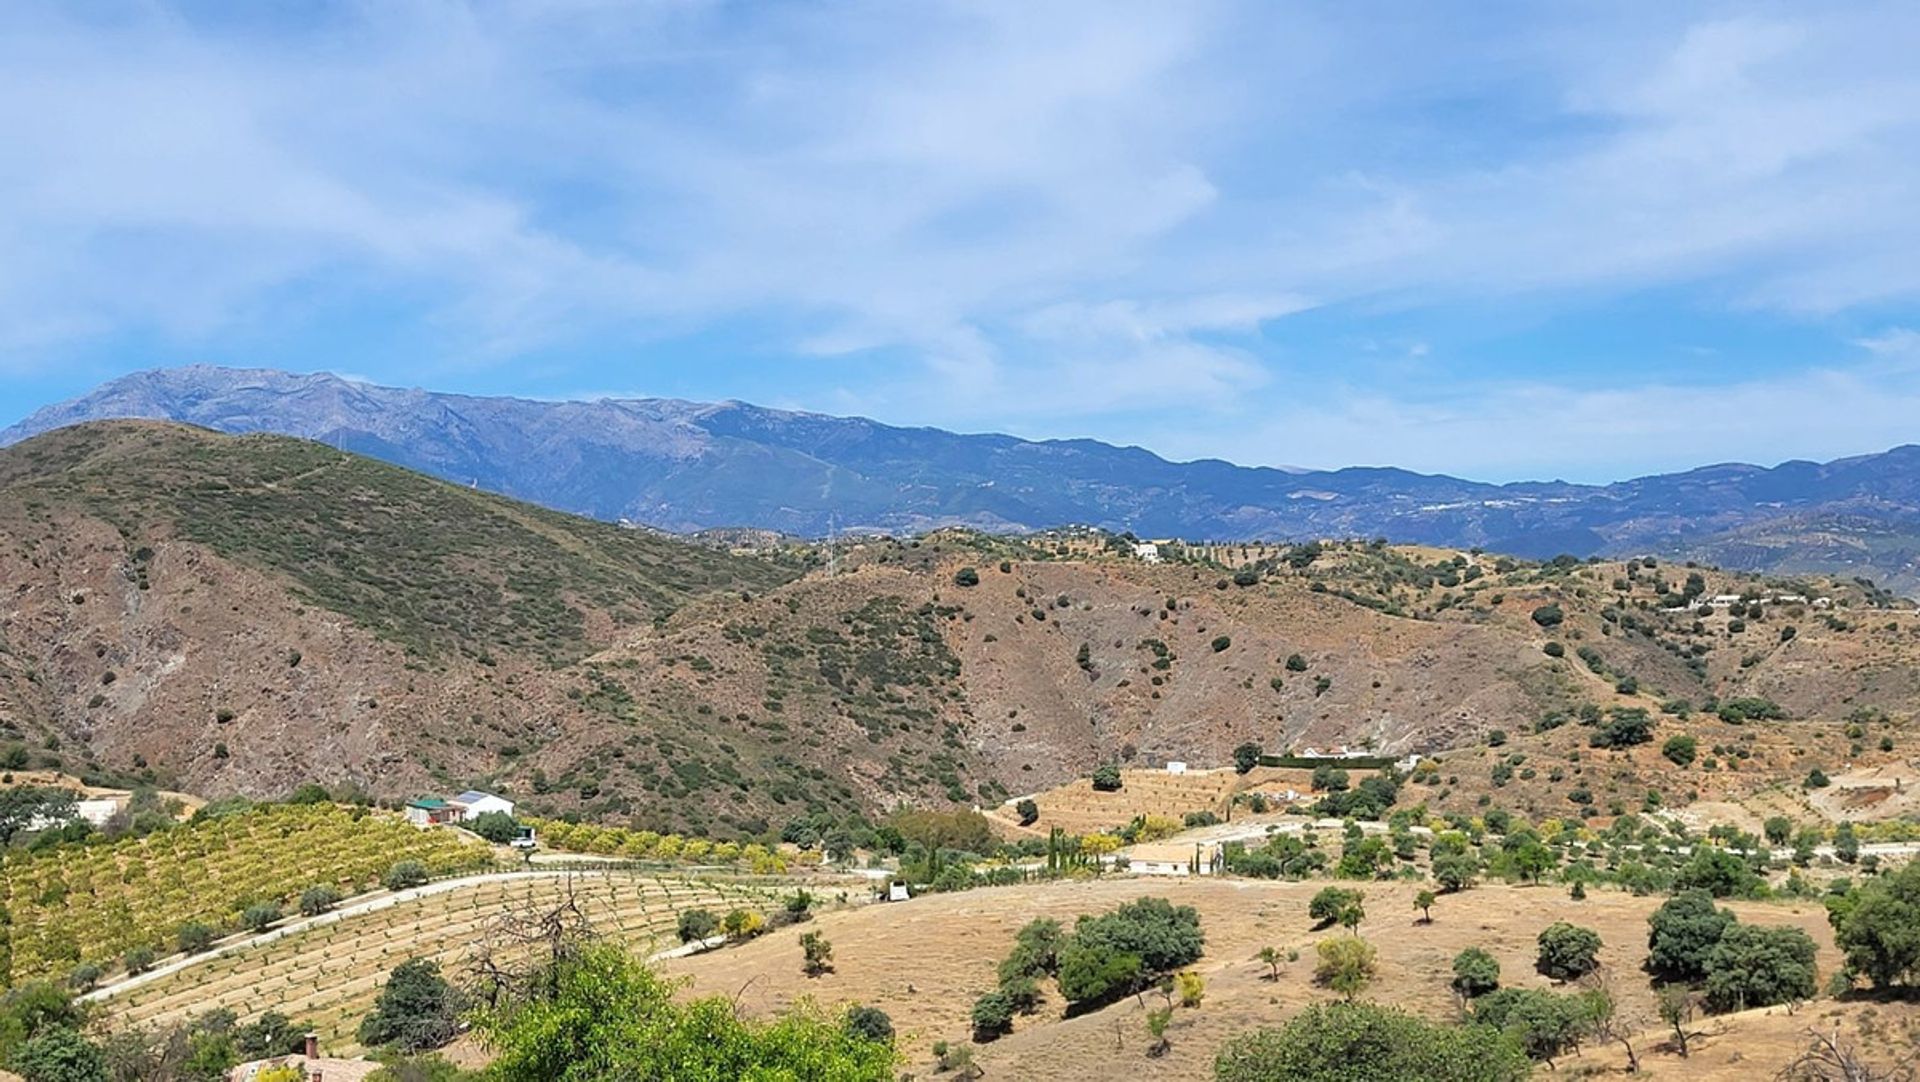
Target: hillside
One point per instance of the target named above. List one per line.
(239, 614)
(687, 466)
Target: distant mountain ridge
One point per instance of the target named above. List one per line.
(686, 466)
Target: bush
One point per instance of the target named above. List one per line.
(404, 875)
(59, 1054)
(318, 899)
(1548, 615)
(1036, 950)
(992, 1015)
(1220, 643)
(496, 827)
(1545, 1024)
(697, 925)
(1028, 811)
(139, 959)
(1719, 873)
(1759, 967)
(1567, 951)
(816, 954)
(1554, 649)
(1874, 925)
(1095, 973)
(84, 977)
(1106, 778)
(1347, 964)
(260, 916)
(1296, 663)
(1624, 727)
(742, 924)
(195, 937)
(966, 576)
(1680, 749)
(869, 1024)
(1342, 1042)
(1475, 973)
(1332, 904)
(416, 1010)
(1163, 936)
(1246, 757)
(1682, 934)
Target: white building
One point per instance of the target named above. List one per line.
(473, 804)
(97, 812)
(1173, 859)
(1148, 551)
(1176, 767)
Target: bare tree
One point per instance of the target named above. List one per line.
(1829, 1059)
(1610, 1024)
(521, 949)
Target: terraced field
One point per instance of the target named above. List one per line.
(328, 975)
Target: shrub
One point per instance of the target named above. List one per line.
(1347, 964)
(1567, 951)
(1719, 873)
(1680, 749)
(59, 1054)
(1028, 811)
(816, 954)
(260, 916)
(966, 576)
(1545, 1024)
(1246, 757)
(139, 959)
(318, 899)
(1296, 663)
(1220, 643)
(1106, 778)
(195, 937)
(992, 1015)
(1554, 649)
(1094, 973)
(1341, 1042)
(1190, 987)
(1163, 936)
(1625, 726)
(696, 925)
(404, 875)
(742, 924)
(1475, 973)
(1548, 615)
(84, 977)
(496, 827)
(869, 1024)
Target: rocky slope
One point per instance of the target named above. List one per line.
(239, 614)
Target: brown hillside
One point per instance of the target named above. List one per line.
(238, 614)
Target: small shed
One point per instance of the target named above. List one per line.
(1176, 767)
(429, 811)
(473, 804)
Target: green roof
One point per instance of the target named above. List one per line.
(428, 802)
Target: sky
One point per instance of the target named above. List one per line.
(1579, 240)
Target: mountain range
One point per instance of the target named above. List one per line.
(687, 466)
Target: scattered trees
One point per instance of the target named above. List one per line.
(1337, 1042)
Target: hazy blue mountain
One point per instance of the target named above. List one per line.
(688, 465)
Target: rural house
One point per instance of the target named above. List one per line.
(1174, 858)
(431, 811)
(473, 804)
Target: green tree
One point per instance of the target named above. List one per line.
(603, 1014)
(318, 899)
(1759, 967)
(1548, 615)
(1680, 749)
(260, 916)
(496, 827)
(1332, 904)
(1343, 1042)
(1028, 811)
(870, 1023)
(1455, 871)
(194, 937)
(1106, 778)
(1092, 973)
(1545, 1025)
(696, 925)
(416, 1010)
(1567, 951)
(1475, 973)
(405, 874)
(1346, 964)
(966, 576)
(59, 1054)
(1246, 757)
(1423, 901)
(1719, 873)
(1683, 932)
(992, 1015)
(1878, 928)
(1778, 829)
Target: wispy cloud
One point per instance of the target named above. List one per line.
(1044, 216)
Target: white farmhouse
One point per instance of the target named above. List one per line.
(473, 804)
(1147, 551)
(1174, 859)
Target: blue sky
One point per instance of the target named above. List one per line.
(1499, 240)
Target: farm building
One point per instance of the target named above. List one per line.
(430, 811)
(312, 1066)
(473, 804)
(1174, 858)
